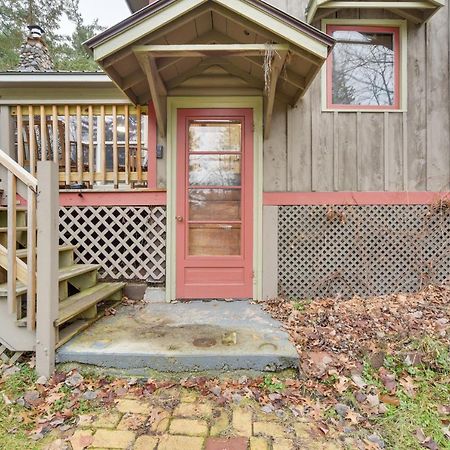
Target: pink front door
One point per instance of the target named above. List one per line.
(214, 211)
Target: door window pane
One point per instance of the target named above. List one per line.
(214, 204)
(214, 170)
(214, 239)
(363, 68)
(215, 136)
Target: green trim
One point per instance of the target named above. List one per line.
(173, 104)
(403, 27)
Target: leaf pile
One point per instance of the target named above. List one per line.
(340, 333)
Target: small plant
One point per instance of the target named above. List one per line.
(300, 305)
(18, 383)
(272, 384)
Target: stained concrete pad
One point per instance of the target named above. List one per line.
(183, 337)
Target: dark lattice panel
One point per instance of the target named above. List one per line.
(128, 242)
(361, 250)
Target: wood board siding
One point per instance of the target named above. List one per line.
(313, 150)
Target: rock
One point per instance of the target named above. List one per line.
(357, 379)
(360, 397)
(341, 409)
(36, 436)
(11, 371)
(413, 359)
(375, 439)
(42, 380)
(237, 398)
(267, 409)
(373, 400)
(74, 380)
(377, 360)
(216, 390)
(90, 395)
(32, 398)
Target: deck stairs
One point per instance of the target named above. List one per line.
(82, 298)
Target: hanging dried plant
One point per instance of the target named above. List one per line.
(269, 54)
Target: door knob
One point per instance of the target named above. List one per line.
(179, 218)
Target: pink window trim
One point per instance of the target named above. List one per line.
(353, 198)
(329, 69)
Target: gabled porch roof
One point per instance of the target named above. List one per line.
(198, 47)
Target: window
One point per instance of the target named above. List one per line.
(363, 70)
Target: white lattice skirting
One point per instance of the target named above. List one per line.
(361, 250)
(128, 242)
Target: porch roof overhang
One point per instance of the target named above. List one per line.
(200, 47)
(417, 11)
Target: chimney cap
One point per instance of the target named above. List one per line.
(36, 31)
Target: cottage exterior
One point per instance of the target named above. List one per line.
(230, 149)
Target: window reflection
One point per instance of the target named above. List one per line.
(363, 68)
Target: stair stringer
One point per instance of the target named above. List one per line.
(17, 339)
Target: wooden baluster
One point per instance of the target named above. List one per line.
(31, 141)
(103, 145)
(115, 148)
(55, 134)
(139, 143)
(20, 152)
(91, 145)
(127, 144)
(11, 243)
(67, 144)
(43, 134)
(79, 146)
(31, 259)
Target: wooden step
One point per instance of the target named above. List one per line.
(77, 326)
(76, 304)
(18, 208)
(22, 253)
(5, 229)
(65, 273)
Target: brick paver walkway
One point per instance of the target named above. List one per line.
(174, 420)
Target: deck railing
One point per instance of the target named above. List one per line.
(17, 270)
(92, 144)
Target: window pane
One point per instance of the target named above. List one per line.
(214, 239)
(212, 136)
(214, 204)
(214, 170)
(363, 68)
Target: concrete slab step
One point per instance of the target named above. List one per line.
(185, 337)
(76, 304)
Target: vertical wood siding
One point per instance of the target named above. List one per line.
(311, 150)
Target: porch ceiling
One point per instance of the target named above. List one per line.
(209, 47)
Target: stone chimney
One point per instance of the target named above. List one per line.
(34, 54)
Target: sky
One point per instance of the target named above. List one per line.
(108, 12)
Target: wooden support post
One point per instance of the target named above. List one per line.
(67, 156)
(157, 89)
(139, 142)
(115, 148)
(79, 146)
(20, 153)
(43, 130)
(127, 144)
(277, 66)
(47, 267)
(91, 146)
(31, 141)
(55, 134)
